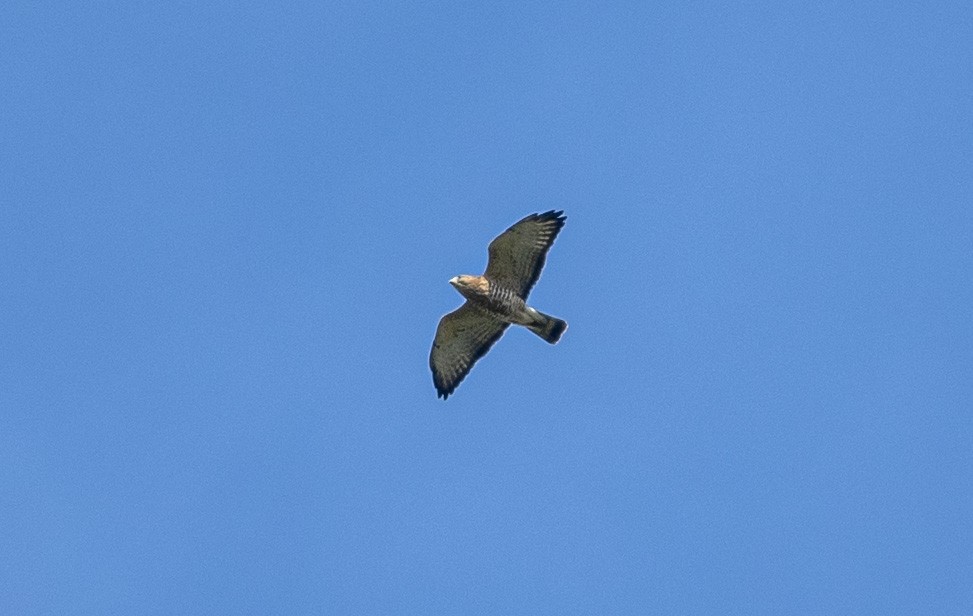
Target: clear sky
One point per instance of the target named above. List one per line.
(226, 231)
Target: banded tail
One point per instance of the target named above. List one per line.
(549, 328)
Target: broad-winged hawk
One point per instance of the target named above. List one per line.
(495, 300)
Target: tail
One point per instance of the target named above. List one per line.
(547, 327)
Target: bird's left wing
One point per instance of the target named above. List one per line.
(517, 255)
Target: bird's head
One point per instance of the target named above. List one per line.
(470, 285)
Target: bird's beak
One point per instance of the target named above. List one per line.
(454, 280)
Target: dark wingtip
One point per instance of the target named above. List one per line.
(442, 390)
(557, 215)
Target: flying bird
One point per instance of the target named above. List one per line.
(495, 300)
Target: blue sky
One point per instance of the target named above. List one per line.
(225, 239)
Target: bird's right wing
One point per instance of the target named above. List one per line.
(463, 336)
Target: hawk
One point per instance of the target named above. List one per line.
(495, 300)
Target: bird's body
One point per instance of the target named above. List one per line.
(493, 297)
(496, 300)
(504, 302)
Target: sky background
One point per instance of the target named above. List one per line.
(226, 231)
